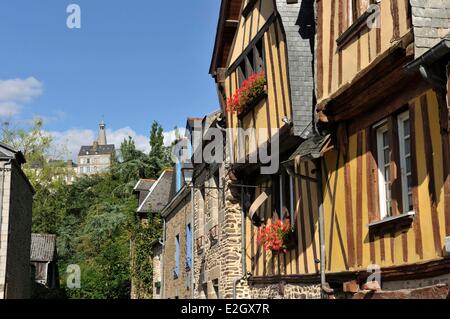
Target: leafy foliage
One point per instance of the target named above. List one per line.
(94, 218)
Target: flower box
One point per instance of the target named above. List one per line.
(277, 237)
(251, 92)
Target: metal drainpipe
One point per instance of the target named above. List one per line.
(323, 283)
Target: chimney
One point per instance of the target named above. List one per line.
(102, 134)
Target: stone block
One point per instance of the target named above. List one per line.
(372, 286)
(351, 286)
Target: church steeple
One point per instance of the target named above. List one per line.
(102, 134)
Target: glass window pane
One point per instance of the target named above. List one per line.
(406, 127)
(407, 146)
(385, 139)
(408, 164)
(386, 156)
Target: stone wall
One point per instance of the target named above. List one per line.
(415, 284)
(176, 224)
(5, 191)
(15, 230)
(218, 263)
(440, 291)
(287, 291)
(431, 22)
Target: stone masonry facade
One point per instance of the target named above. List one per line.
(15, 232)
(217, 257)
(288, 291)
(177, 287)
(431, 23)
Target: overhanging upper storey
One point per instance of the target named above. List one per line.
(226, 30)
(273, 47)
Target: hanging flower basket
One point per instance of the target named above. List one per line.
(250, 91)
(277, 237)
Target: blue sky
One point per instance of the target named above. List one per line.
(131, 62)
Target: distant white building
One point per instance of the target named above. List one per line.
(96, 158)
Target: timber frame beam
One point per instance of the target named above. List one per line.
(354, 98)
(424, 270)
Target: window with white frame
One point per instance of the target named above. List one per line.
(384, 166)
(356, 8)
(394, 166)
(404, 135)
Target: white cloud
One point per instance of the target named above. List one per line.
(171, 136)
(15, 93)
(67, 144)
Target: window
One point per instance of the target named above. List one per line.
(384, 166)
(177, 256)
(357, 8)
(188, 247)
(404, 136)
(252, 63)
(284, 196)
(258, 60)
(394, 167)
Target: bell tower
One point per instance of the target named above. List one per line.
(102, 134)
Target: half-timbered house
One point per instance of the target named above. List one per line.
(267, 46)
(381, 94)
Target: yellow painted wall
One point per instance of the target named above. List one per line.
(392, 244)
(363, 46)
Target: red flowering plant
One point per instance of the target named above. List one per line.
(277, 236)
(250, 89)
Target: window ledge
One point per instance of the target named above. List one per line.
(389, 222)
(253, 104)
(346, 37)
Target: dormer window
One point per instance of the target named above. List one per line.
(251, 63)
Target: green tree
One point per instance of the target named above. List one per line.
(94, 218)
(159, 157)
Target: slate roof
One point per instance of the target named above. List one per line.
(8, 152)
(298, 24)
(143, 185)
(159, 194)
(311, 148)
(43, 247)
(97, 150)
